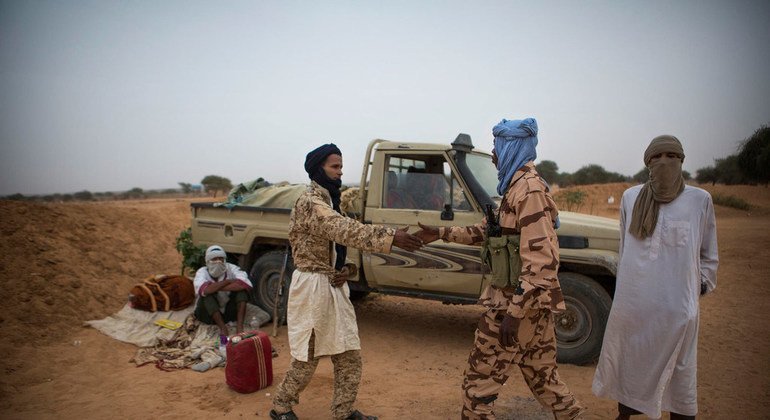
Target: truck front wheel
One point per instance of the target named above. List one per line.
(265, 276)
(580, 329)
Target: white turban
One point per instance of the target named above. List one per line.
(215, 251)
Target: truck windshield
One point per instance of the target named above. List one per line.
(482, 168)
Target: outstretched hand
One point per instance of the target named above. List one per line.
(406, 240)
(427, 234)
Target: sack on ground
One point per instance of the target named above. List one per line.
(249, 362)
(162, 293)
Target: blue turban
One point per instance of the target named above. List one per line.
(515, 142)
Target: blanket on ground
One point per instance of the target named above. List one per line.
(194, 343)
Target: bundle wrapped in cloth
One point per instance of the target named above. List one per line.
(162, 293)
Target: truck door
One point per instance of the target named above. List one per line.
(423, 187)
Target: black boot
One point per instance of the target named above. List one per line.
(357, 415)
(285, 416)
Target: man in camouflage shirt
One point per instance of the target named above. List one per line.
(518, 325)
(321, 319)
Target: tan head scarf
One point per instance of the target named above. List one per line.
(665, 184)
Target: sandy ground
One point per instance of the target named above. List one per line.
(62, 264)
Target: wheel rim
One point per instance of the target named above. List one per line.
(573, 326)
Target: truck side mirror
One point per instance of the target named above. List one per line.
(447, 213)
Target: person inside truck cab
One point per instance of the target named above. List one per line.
(424, 189)
(396, 197)
(222, 291)
(417, 190)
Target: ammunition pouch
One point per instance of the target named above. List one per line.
(501, 254)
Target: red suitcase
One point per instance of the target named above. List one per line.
(249, 362)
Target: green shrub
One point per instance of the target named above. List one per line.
(193, 257)
(570, 200)
(731, 201)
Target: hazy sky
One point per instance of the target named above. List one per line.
(111, 95)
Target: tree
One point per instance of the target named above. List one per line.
(549, 170)
(595, 174)
(186, 188)
(686, 175)
(728, 171)
(135, 192)
(83, 195)
(706, 175)
(754, 156)
(215, 183)
(565, 179)
(642, 176)
(15, 197)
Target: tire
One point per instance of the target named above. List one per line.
(265, 277)
(580, 329)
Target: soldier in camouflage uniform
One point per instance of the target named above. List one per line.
(321, 319)
(518, 325)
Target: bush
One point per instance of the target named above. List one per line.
(570, 200)
(84, 195)
(707, 175)
(193, 257)
(595, 174)
(731, 201)
(15, 197)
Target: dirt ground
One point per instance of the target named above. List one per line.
(62, 264)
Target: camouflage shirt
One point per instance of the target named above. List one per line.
(529, 210)
(314, 227)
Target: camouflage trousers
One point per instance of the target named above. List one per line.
(347, 377)
(490, 364)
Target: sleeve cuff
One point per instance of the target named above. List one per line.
(443, 233)
(388, 242)
(202, 289)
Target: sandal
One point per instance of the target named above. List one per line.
(357, 415)
(285, 416)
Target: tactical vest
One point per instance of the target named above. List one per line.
(501, 254)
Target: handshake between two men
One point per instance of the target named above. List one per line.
(415, 241)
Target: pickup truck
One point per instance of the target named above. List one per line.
(441, 185)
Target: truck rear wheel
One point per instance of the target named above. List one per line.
(265, 276)
(580, 329)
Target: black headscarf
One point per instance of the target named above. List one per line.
(314, 167)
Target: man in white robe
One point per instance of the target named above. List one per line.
(668, 259)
